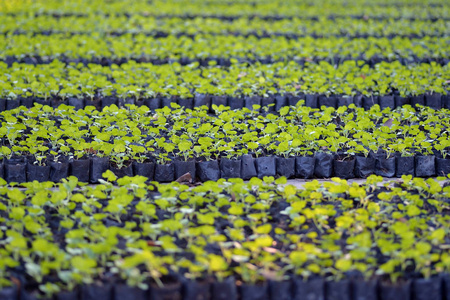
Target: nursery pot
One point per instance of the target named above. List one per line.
(230, 168)
(80, 168)
(405, 165)
(183, 167)
(285, 166)
(304, 166)
(364, 166)
(344, 168)
(425, 166)
(98, 166)
(265, 166)
(144, 169)
(208, 170)
(224, 290)
(248, 168)
(164, 173)
(324, 165)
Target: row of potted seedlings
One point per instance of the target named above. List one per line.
(256, 240)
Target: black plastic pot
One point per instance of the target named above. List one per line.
(43, 101)
(27, 102)
(235, 102)
(324, 165)
(98, 166)
(265, 166)
(400, 291)
(15, 170)
(418, 100)
(446, 286)
(386, 101)
(254, 292)
(186, 102)
(77, 103)
(196, 290)
(344, 101)
(338, 290)
(369, 101)
(358, 100)
(433, 101)
(2, 168)
(312, 290)
(219, 100)
(280, 290)
(96, 292)
(202, 100)
(153, 103)
(80, 168)
(144, 169)
(304, 166)
(401, 101)
(230, 168)
(424, 289)
(208, 170)
(166, 101)
(384, 166)
(446, 101)
(328, 101)
(442, 167)
(225, 290)
(294, 99)
(2, 104)
(280, 102)
(55, 103)
(365, 290)
(425, 166)
(268, 102)
(108, 101)
(68, 295)
(58, 170)
(248, 168)
(124, 292)
(250, 101)
(364, 166)
(122, 172)
(285, 166)
(405, 165)
(12, 103)
(183, 167)
(344, 168)
(124, 102)
(9, 293)
(164, 173)
(168, 292)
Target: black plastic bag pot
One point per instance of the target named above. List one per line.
(218, 101)
(15, 170)
(254, 292)
(224, 290)
(98, 166)
(96, 292)
(399, 291)
(405, 165)
(324, 165)
(442, 167)
(304, 166)
(294, 99)
(164, 173)
(108, 101)
(268, 102)
(183, 167)
(344, 168)
(202, 100)
(425, 166)
(328, 101)
(57, 102)
(230, 168)
(250, 101)
(364, 166)
(433, 101)
(168, 292)
(208, 170)
(280, 290)
(144, 169)
(445, 101)
(384, 166)
(186, 103)
(122, 172)
(153, 103)
(446, 286)
(58, 170)
(312, 101)
(265, 166)
(9, 293)
(424, 289)
(386, 101)
(400, 101)
(43, 101)
(280, 102)
(285, 166)
(123, 102)
(312, 289)
(97, 103)
(76, 103)
(365, 290)
(68, 295)
(235, 103)
(166, 101)
(124, 292)
(248, 168)
(27, 102)
(338, 290)
(358, 100)
(2, 104)
(344, 101)
(196, 290)
(369, 101)
(12, 103)
(418, 100)
(80, 168)
(2, 169)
